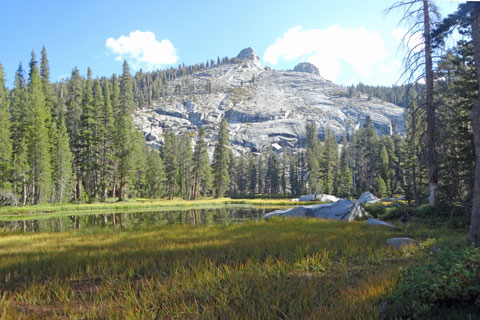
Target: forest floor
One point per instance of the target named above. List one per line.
(280, 268)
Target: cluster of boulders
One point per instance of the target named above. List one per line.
(342, 209)
(334, 209)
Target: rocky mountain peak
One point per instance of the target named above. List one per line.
(265, 109)
(247, 54)
(306, 67)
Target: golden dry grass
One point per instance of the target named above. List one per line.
(283, 268)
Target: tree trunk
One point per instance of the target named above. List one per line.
(430, 108)
(79, 188)
(195, 189)
(121, 190)
(114, 189)
(474, 234)
(219, 187)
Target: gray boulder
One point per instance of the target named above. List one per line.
(7, 198)
(376, 222)
(306, 67)
(345, 209)
(367, 197)
(319, 197)
(400, 243)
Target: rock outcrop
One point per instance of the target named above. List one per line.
(263, 107)
(247, 53)
(400, 243)
(345, 209)
(306, 67)
(319, 197)
(367, 197)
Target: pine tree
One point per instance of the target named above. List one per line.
(169, 155)
(383, 169)
(221, 160)
(155, 176)
(105, 131)
(62, 158)
(72, 119)
(38, 144)
(18, 111)
(313, 153)
(344, 188)
(272, 178)
(242, 174)
(201, 166)
(293, 174)
(232, 187)
(5, 136)
(88, 141)
(47, 86)
(252, 173)
(380, 187)
(330, 162)
(125, 130)
(185, 166)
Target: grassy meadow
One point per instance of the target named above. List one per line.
(281, 268)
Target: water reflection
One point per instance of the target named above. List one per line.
(136, 220)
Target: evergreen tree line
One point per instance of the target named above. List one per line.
(72, 140)
(75, 140)
(148, 86)
(401, 95)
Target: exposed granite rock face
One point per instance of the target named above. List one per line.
(306, 67)
(344, 209)
(367, 197)
(263, 107)
(247, 53)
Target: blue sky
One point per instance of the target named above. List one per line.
(350, 41)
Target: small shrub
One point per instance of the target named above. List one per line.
(428, 211)
(396, 212)
(375, 209)
(450, 278)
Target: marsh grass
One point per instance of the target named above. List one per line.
(281, 268)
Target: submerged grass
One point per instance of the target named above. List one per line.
(281, 268)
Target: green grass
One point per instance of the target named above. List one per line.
(281, 268)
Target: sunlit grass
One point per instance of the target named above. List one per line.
(283, 268)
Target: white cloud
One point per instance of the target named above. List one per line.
(142, 50)
(328, 48)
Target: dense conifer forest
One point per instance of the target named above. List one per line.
(74, 140)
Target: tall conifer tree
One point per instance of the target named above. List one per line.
(38, 144)
(221, 160)
(5, 136)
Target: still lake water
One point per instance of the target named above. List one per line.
(139, 220)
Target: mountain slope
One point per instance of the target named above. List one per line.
(263, 107)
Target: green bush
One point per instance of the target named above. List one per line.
(396, 212)
(448, 279)
(375, 209)
(428, 211)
